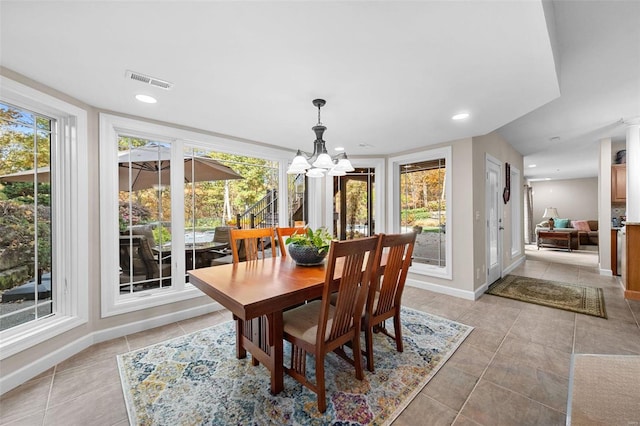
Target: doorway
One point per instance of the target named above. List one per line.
(494, 219)
(353, 201)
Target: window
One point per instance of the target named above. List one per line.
(44, 221)
(164, 193)
(421, 203)
(25, 224)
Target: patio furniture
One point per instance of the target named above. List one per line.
(138, 264)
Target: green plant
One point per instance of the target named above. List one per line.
(320, 239)
(161, 235)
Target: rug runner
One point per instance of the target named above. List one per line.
(554, 294)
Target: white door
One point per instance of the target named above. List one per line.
(494, 219)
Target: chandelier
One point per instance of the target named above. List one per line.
(322, 161)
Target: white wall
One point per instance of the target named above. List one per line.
(575, 199)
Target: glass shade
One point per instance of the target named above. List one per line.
(335, 171)
(316, 173)
(344, 165)
(300, 162)
(324, 161)
(293, 170)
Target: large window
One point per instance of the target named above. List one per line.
(421, 198)
(43, 224)
(168, 200)
(25, 223)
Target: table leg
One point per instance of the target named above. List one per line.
(241, 352)
(262, 338)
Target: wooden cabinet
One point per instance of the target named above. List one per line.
(614, 252)
(630, 264)
(619, 183)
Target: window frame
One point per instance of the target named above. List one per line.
(112, 303)
(70, 225)
(394, 202)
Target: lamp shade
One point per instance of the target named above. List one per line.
(324, 161)
(316, 172)
(550, 212)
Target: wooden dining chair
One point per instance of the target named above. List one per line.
(318, 327)
(385, 293)
(286, 232)
(256, 243)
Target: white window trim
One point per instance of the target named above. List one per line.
(393, 224)
(516, 208)
(71, 224)
(112, 303)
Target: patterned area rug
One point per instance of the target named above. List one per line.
(196, 379)
(555, 294)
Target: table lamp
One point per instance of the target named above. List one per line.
(550, 212)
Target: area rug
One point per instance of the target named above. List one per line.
(196, 379)
(603, 390)
(555, 294)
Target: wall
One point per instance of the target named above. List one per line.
(576, 199)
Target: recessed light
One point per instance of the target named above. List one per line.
(338, 148)
(146, 99)
(531, 166)
(547, 178)
(460, 116)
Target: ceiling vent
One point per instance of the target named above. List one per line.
(136, 76)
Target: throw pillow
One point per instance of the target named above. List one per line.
(581, 225)
(560, 223)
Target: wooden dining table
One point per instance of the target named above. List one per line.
(257, 292)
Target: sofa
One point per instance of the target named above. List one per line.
(583, 232)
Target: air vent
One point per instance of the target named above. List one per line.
(132, 75)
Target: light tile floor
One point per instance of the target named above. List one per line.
(512, 370)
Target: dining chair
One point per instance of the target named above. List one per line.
(252, 244)
(282, 233)
(318, 327)
(385, 293)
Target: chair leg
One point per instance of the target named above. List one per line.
(320, 386)
(357, 355)
(397, 326)
(368, 334)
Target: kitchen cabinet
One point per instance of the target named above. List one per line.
(630, 263)
(619, 183)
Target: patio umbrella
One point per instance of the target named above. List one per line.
(150, 165)
(27, 176)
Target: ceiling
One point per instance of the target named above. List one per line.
(392, 73)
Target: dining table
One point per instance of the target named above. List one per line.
(257, 292)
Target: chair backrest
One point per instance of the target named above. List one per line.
(387, 285)
(286, 232)
(355, 260)
(222, 234)
(136, 257)
(256, 242)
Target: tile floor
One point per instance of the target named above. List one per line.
(512, 370)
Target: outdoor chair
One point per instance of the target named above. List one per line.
(138, 263)
(385, 293)
(286, 232)
(318, 327)
(222, 256)
(257, 243)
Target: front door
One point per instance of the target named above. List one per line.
(494, 219)
(353, 204)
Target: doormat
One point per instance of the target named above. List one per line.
(554, 294)
(197, 380)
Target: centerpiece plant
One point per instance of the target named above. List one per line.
(308, 247)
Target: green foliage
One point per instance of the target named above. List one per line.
(23, 192)
(320, 238)
(161, 235)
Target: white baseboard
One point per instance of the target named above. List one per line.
(514, 265)
(437, 288)
(16, 378)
